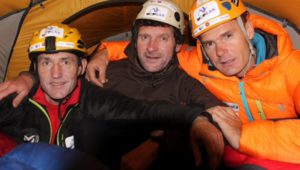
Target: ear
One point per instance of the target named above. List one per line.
(250, 29)
(82, 67)
(178, 47)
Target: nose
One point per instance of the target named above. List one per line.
(56, 71)
(152, 45)
(221, 49)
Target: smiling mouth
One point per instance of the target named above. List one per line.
(57, 84)
(227, 62)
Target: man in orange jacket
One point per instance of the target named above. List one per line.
(246, 61)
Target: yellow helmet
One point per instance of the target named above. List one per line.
(207, 14)
(164, 11)
(56, 38)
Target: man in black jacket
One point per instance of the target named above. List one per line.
(55, 109)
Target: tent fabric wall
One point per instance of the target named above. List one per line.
(115, 19)
(8, 32)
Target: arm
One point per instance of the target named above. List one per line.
(272, 140)
(194, 93)
(20, 85)
(203, 132)
(119, 109)
(113, 51)
(108, 51)
(296, 98)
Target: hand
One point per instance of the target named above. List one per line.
(229, 122)
(98, 63)
(20, 85)
(141, 157)
(206, 133)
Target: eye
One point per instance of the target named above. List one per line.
(143, 37)
(208, 44)
(66, 62)
(228, 36)
(164, 38)
(44, 63)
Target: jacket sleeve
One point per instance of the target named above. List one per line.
(296, 98)
(190, 60)
(115, 49)
(293, 79)
(9, 114)
(105, 104)
(195, 93)
(278, 140)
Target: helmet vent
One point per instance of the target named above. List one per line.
(177, 16)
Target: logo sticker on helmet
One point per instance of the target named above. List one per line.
(52, 31)
(226, 5)
(211, 22)
(156, 12)
(65, 44)
(36, 46)
(206, 12)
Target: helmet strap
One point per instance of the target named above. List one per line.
(251, 48)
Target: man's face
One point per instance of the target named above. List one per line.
(227, 48)
(58, 74)
(156, 47)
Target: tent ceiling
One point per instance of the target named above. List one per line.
(105, 22)
(10, 6)
(287, 9)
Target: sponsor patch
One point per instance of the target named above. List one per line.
(206, 12)
(30, 135)
(65, 44)
(31, 138)
(156, 12)
(51, 31)
(36, 46)
(211, 22)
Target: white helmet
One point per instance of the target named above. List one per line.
(164, 11)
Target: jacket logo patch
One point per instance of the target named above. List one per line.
(69, 142)
(31, 135)
(31, 138)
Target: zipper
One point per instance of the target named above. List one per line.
(45, 114)
(58, 132)
(244, 100)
